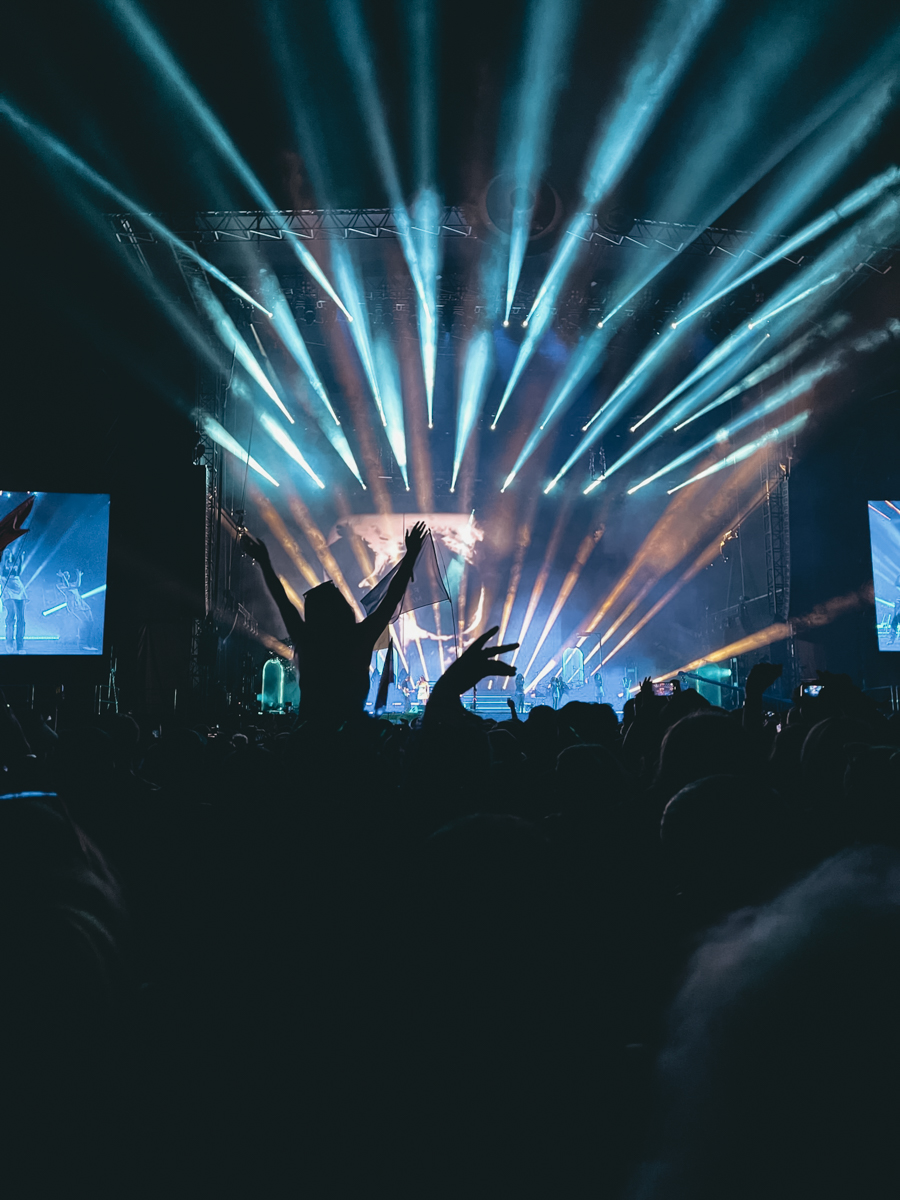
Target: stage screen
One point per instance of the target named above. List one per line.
(884, 531)
(53, 572)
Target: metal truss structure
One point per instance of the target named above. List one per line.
(205, 228)
(776, 517)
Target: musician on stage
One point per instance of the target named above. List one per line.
(332, 650)
(78, 607)
(14, 600)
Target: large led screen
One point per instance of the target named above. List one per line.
(53, 552)
(884, 531)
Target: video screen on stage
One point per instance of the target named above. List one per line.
(884, 531)
(53, 556)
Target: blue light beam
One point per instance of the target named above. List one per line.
(681, 410)
(475, 378)
(829, 139)
(548, 37)
(280, 436)
(389, 380)
(731, 460)
(781, 397)
(663, 58)
(776, 363)
(852, 204)
(144, 38)
(53, 146)
(223, 438)
(357, 51)
(359, 329)
(228, 334)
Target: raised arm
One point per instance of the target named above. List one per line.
(475, 664)
(376, 623)
(293, 622)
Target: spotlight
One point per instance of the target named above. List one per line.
(525, 323)
(506, 324)
(599, 324)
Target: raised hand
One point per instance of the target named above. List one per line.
(254, 547)
(415, 538)
(474, 665)
(761, 676)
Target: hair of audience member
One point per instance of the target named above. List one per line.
(827, 750)
(326, 610)
(779, 1074)
(722, 839)
(596, 724)
(699, 744)
(590, 781)
(870, 809)
(784, 758)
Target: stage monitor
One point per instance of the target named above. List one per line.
(53, 554)
(884, 532)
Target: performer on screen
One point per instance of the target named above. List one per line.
(78, 607)
(14, 600)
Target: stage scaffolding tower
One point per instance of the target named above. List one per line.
(775, 472)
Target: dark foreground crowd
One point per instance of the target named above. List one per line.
(558, 957)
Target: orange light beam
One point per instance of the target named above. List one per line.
(584, 553)
(316, 539)
(273, 520)
(515, 575)
(540, 583)
(703, 559)
(822, 614)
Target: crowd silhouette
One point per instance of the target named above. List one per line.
(559, 956)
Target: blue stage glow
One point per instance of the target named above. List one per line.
(730, 460)
(475, 378)
(45, 142)
(277, 434)
(153, 49)
(223, 438)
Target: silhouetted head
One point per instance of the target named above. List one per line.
(327, 609)
(700, 744)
